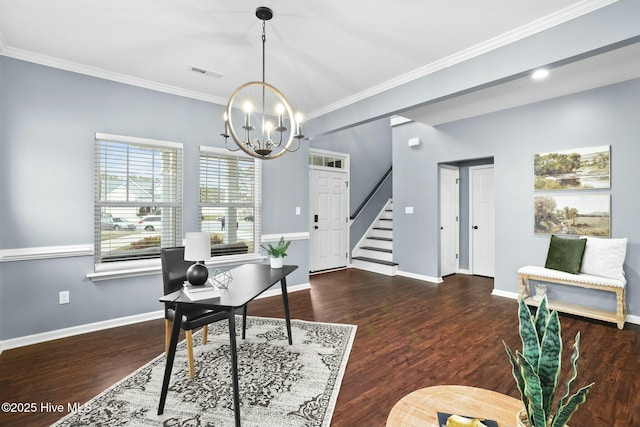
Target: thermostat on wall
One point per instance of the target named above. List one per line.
(413, 142)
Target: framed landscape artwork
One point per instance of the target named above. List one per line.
(588, 215)
(576, 169)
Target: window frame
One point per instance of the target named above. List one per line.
(143, 265)
(257, 205)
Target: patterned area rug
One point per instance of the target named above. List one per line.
(280, 385)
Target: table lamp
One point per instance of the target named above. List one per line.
(197, 247)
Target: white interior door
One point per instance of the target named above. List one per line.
(449, 216)
(328, 219)
(482, 218)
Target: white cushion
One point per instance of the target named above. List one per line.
(604, 257)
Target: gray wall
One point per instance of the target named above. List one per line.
(369, 147)
(49, 117)
(605, 116)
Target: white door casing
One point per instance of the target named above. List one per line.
(328, 219)
(482, 220)
(449, 219)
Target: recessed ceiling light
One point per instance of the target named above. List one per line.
(540, 74)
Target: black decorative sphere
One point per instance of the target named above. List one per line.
(197, 274)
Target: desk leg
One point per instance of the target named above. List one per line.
(285, 300)
(175, 332)
(234, 365)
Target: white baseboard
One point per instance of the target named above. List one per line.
(506, 294)
(514, 295)
(464, 271)
(78, 330)
(112, 323)
(420, 277)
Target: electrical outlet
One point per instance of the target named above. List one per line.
(63, 297)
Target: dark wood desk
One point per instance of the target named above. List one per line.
(249, 281)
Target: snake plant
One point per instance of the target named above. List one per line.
(536, 368)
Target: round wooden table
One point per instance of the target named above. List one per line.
(421, 407)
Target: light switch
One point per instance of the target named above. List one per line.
(297, 210)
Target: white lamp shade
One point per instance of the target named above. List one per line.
(197, 246)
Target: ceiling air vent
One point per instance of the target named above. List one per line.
(205, 71)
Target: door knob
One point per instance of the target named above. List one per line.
(316, 227)
(475, 227)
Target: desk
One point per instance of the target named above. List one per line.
(249, 281)
(421, 407)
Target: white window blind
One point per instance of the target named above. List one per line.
(230, 201)
(138, 197)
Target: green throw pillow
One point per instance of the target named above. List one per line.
(565, 254)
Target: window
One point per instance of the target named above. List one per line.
(230, 201)
(138, 197)
(326, 160)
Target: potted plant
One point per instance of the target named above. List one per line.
(536, 369)
(277, 252)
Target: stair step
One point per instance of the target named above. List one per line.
(386, 219)
(384, 239)
(383, 228)
(372, 248)
(375, 261)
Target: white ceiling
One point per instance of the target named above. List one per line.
(321, 54)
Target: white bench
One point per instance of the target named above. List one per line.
(583, 280)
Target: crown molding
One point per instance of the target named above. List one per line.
(537, 26)
(557, 18)
(3, 44)
(61, 64)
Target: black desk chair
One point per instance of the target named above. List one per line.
(174, 274)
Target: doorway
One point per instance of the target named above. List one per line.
(482, 220)
(329, 210)
(449, 219)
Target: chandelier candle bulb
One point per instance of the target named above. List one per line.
(280, 111)
(226, 123)
(247, 116)
(298, 121)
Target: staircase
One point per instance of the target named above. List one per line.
(375, 251)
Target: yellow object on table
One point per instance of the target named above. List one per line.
(420, 408)
(459, 421)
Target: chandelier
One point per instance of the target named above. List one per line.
(273, 113)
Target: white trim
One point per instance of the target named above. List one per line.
(149, 267)
(75, 67)
(99, 136)
(80, 329)
(537, 26)
(287, 236)
(398, 120)
(505, 294)
(114, 323)
(420, 277)
(557, 18)
(45, 252)
(3, 44)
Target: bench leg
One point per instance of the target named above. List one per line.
(621, 308)
(523, 286)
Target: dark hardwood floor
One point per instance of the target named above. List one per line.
(411, 334)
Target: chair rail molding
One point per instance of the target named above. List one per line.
(45, 252)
